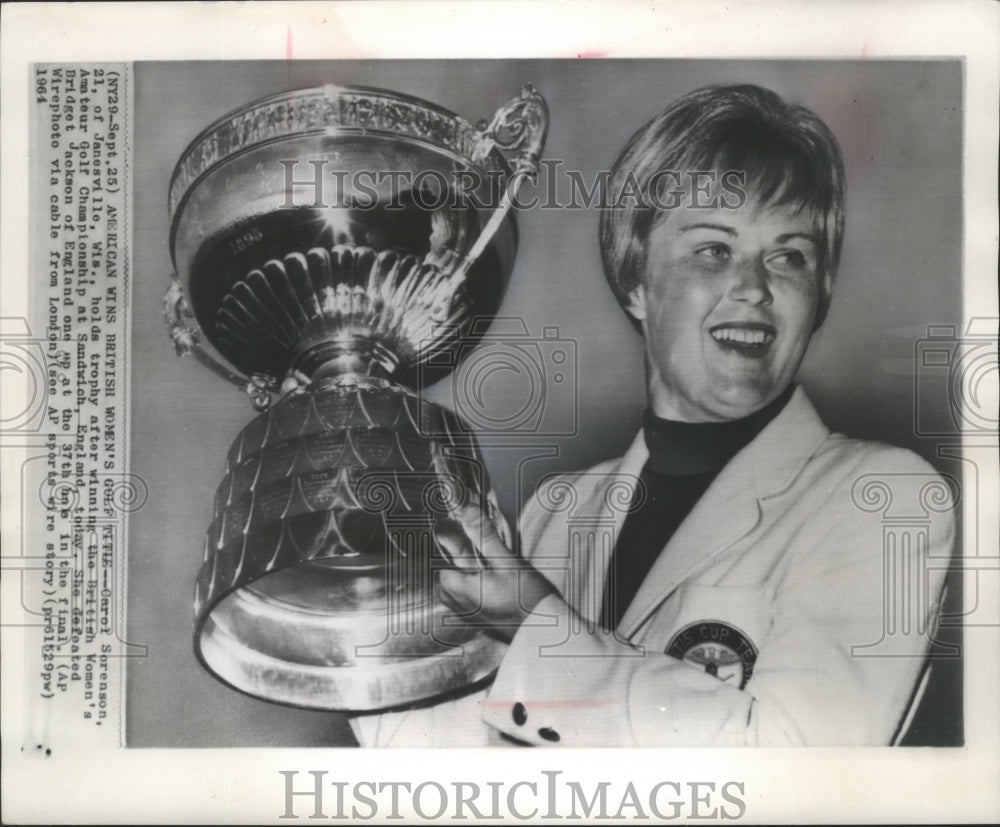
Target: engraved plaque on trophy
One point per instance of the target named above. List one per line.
(329, 244)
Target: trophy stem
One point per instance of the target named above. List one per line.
(344, 360)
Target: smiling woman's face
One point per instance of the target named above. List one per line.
(727, 308)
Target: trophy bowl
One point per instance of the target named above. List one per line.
(335, 249)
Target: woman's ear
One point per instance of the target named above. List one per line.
(636, 305)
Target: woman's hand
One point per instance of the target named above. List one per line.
(490, 586)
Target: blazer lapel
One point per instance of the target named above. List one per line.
(595, 525)
(730, 508)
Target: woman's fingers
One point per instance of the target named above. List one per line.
(469, 540)
(455, 545)
(459, 590)
(483, 535)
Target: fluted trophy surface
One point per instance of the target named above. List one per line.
(328, 243)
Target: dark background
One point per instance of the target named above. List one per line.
(899, 124)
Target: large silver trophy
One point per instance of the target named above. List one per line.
(334, 246)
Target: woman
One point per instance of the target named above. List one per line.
(723, 582)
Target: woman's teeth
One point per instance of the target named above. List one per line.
(742, 336)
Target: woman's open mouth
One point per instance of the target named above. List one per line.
(746, 338)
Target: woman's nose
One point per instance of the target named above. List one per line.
(750, 283)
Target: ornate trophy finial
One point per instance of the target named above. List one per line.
(518, 131)
(315, 258)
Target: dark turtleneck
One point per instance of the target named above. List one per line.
(684, 458)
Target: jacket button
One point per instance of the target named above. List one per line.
(519, 714)
(548, 734)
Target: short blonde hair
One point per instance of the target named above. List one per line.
(788, 156)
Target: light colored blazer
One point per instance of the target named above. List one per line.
(794, 605)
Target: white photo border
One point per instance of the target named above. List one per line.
(241, 786)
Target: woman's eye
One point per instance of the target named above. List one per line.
(716, 252)
(789, 259)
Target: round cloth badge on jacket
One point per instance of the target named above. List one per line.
(719, 649)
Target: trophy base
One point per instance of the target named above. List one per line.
(290, 653)
(318, 586)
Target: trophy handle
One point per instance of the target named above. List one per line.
(517, 131)
(184, 333)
